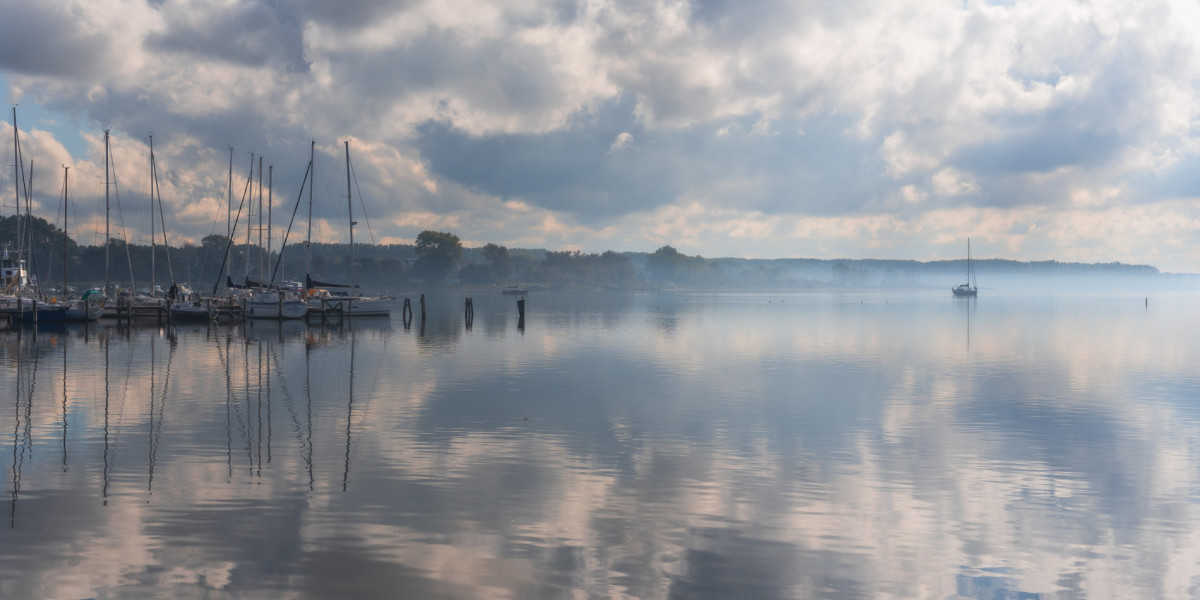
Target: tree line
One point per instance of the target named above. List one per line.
(439, 258)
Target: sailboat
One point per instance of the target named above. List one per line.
(321, 301)
(270, 302)
(970, 289)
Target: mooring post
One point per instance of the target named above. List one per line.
(406, 313)
(422, 308)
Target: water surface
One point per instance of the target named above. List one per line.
(803, 445)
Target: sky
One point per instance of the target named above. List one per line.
(1041, 130)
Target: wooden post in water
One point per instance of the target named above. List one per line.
(406, 313)
(469, 313)
(521, 314)
(422, 308)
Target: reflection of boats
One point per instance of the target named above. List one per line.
(970, 288)
(514, 290)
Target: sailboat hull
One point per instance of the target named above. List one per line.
(270, 306)
(352, 306)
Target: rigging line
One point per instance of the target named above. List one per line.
(370, 232)
(213, 231)
(121, 217)
(162, 219)
(232, 230)
(362, 204)
(299, 197)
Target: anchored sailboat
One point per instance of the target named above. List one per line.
(970, 288)
(351, 305)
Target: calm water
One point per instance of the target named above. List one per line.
(815, 445)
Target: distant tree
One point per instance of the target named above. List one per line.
(499, 263)
(664, 263)
(437, 253)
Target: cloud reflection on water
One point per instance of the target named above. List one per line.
(816, 446)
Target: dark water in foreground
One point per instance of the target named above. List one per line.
(820, 445)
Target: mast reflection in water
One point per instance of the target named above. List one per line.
(809, 445)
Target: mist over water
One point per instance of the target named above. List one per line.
(832, 444)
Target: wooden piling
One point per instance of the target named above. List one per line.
(406, 313)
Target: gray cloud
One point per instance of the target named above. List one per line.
(45, 38)
(250, 34)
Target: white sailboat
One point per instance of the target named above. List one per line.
(350, 305)
(266, 300)
(970, 289)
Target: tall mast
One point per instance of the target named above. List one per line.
(350, 206)
(260, 218)
(106, 215)
(249, 208)
(16, 165)
(162, 220)
(152, 231)
(66, 170)
(18, 174)
(229, 198)
(229, 212)
(270, 203)
(312, 152)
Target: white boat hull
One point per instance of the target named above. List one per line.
(352, 306)
(270, 306)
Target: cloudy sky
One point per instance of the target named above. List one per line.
(1044, 129)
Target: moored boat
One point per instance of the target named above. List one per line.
(970, 289)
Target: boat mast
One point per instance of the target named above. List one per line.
(270, 203)
(17, 175)
(970, 277)
(152, 231)
(66, 169)
(350, 207)
(249, 209)
(312, 152)
(106, 215)
(162, 220)
(228, 213)
(261, 268)
(16, 168)
(270, 177)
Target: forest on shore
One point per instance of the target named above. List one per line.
(439, 259)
